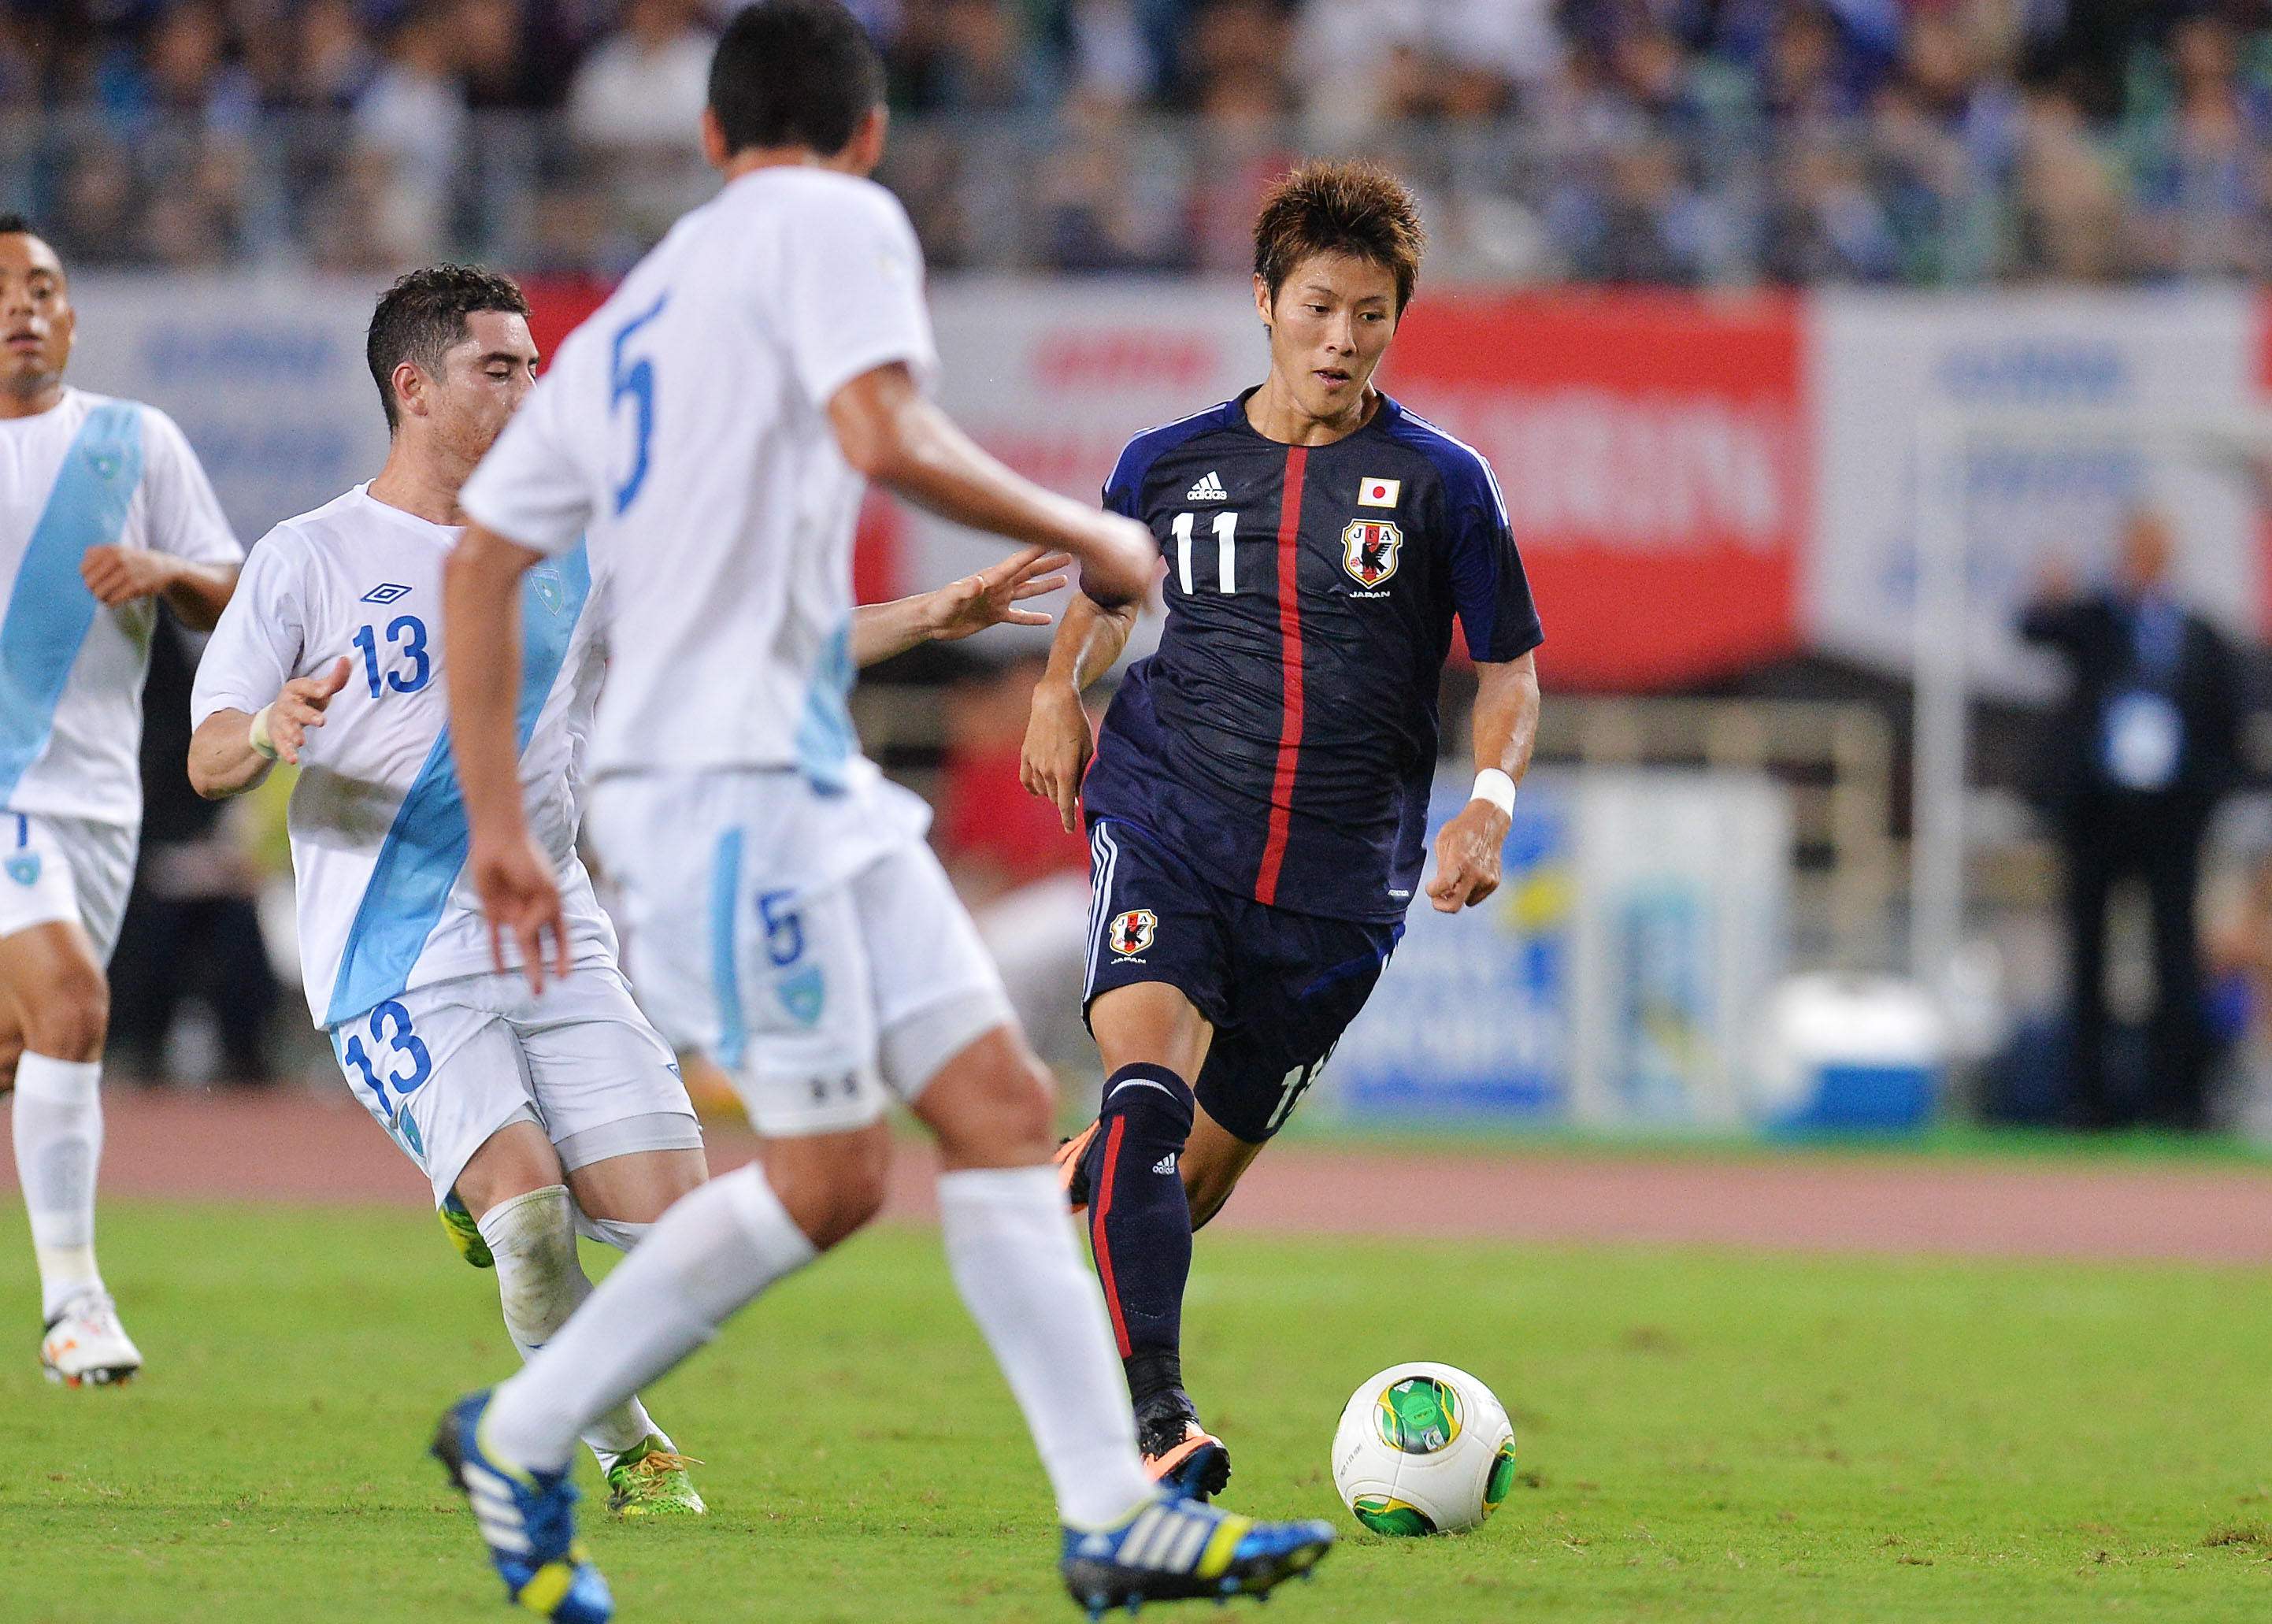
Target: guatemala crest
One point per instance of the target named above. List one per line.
(1131, 933)
(804, 995)
(1369, 550)
(24, 868)
(546, 585)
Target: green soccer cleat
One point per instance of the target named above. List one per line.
(652, 1481)
(464, 1233)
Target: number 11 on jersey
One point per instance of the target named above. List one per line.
(1226, 551)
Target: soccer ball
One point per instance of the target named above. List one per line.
(1423, 1449)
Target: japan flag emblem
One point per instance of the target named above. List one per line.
(1368, 549)
(1379, 492)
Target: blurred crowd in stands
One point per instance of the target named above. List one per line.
(1679, 142)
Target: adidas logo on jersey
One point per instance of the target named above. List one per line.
(1208, 490)
(1165, 1164)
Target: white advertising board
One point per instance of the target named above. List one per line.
(1881, 360)
(265, 377)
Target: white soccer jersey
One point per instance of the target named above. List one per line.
(378, 829)
(685, 428)
(91, 472)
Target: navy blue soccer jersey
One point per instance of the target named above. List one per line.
(1283, 739)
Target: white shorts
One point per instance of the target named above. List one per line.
(823, 986)
(65, 868)
(444, 1066)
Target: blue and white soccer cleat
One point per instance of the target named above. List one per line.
(1179, 1550)
(528, 1522)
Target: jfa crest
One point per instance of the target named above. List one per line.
(1131, 933)
(1369, 550)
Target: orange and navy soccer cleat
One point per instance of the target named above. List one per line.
(527, 1519)
(1179, 1550)
(1179, 1453)
(1073, 1177)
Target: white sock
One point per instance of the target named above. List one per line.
(541, 1282)
(1010, 1246)
(58, 1131)
(714, 1251)
(610, 1232)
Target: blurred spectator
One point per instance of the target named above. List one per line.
(2071, 223)
(1825, 224)
(1023, 878)
(336, 61)
(1644, 224)
(408, 122)
(970, 56)
(98, 214)
(644, 88)
(636, 108)
(2133, 765)
(192, 931)
(1090, 202)
(489, 54)
(2201, 180)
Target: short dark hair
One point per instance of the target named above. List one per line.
(1356, 208)
(795, 74)
(423, 315)
(13, 224)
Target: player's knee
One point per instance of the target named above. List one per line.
(831, 1185)
(993, 1106)
(68, 1014)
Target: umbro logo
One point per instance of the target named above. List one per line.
(1208, 490)
(385, 594)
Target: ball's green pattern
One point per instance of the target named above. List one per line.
(1418, 1415)
(1501, 1478)
(1385, 1515)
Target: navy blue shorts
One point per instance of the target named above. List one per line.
(1278, 987)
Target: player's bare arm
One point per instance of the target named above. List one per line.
(232, 751)
(892, 435)
(197, 591)
(960, 608)
(480, 619)
(1058, 739)
(1505, 731)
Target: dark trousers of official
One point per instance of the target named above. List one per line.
(2109, 839)
(173, 948)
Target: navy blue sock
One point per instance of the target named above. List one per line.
(1139, 1224)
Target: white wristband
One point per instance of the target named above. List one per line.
(1497, 788)
(256, 735)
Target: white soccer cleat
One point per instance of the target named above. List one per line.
(86, 1346)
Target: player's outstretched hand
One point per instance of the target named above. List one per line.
(299, 706)
(1057, 750)
(990, 598)
(1468, 858)
(520, 895)
(117, 574)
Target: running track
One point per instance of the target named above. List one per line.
(295, 1146)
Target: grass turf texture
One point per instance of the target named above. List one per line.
(1704, 1435)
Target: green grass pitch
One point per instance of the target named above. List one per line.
(1706, 1435)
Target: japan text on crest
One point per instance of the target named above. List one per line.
(1369, 550)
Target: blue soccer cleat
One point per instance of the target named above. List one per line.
(1173, 1549)
(528, 1522)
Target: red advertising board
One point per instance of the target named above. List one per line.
(1655, 459)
